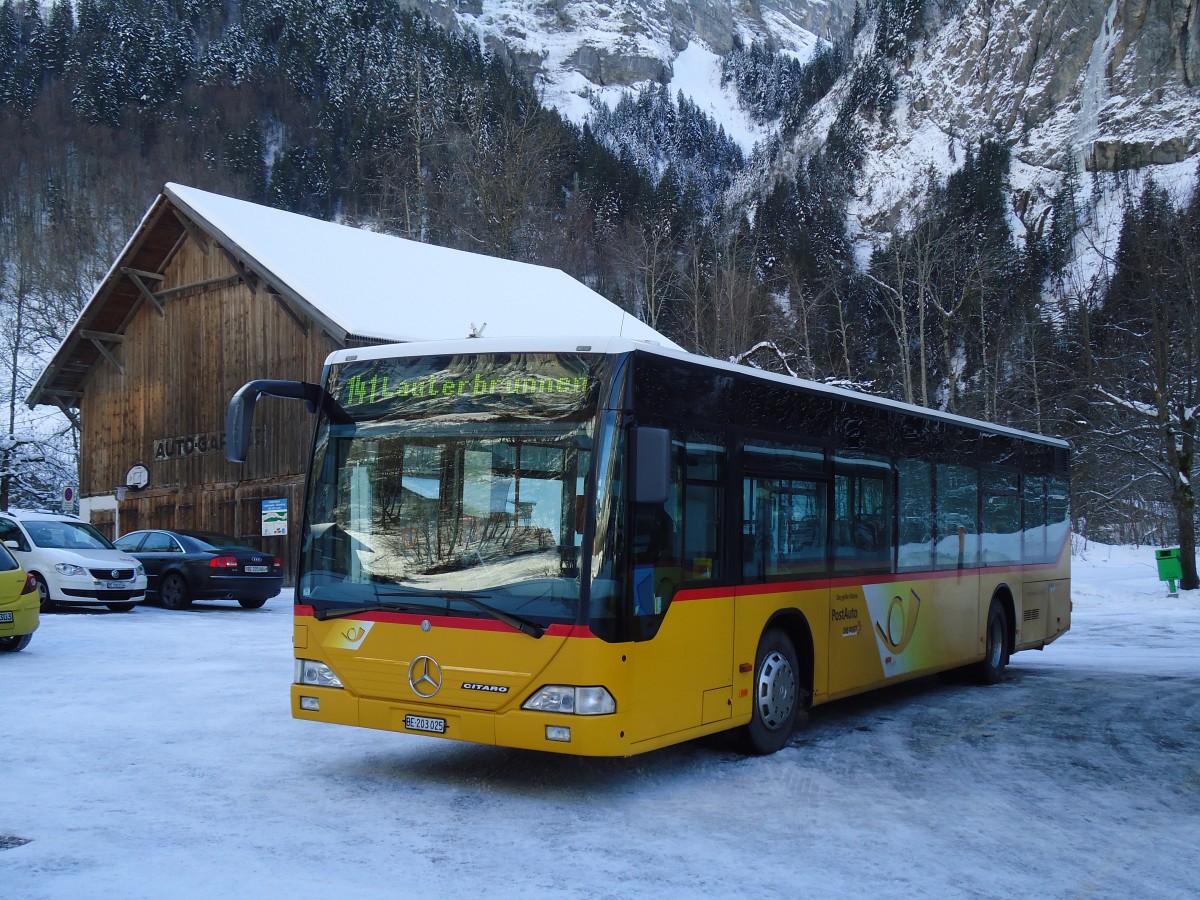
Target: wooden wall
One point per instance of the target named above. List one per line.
(167, 409)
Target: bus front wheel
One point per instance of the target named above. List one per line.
(991, 669)
(776, 693)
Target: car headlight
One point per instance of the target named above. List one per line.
(140, 571)
(70, 570)
(580, 701)
(311, 671)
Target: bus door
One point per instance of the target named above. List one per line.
(683, 663)
(784, 532)
(865, 608)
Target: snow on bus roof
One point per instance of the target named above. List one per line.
(381, 286)
(611, 345)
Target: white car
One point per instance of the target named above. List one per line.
(72, 562)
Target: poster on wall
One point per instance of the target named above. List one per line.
(274, 517)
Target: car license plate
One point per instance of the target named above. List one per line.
(257, 570)
(6, 616)
(425, 723)
(116, 585)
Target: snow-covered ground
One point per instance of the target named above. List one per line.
(151, 755)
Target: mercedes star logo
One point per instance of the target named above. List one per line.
(425, 676)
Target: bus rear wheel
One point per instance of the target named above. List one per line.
(776, 693)
(991, 669)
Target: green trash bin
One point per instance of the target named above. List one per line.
(1169, 568)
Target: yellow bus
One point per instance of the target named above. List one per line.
(603, 547)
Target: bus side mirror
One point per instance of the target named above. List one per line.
(652, 465)
(240, 418)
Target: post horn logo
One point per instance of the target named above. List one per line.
(901, 622)
(425, 676)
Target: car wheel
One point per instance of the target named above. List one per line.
(255, 603)
(120, 607)
(44, 594)
(174, 592)
(14, 643)
(776, 692)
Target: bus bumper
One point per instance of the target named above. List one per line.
(522, 729)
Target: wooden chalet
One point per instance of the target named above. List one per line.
(211, 292)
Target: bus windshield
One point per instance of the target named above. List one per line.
(448, 480)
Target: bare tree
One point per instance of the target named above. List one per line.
(647, 253)
(503, 161)
(1148, 366)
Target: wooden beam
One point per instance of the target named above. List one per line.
(138, 278)
(106, 353)
(146, 276)
(247, 275)
(223, 281)
(59, 399)
(101, 336)
(194, 233)
(287, 308)
(166, 260)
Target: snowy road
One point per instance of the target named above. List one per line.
(151, 755)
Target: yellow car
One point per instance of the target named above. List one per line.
(18, 604)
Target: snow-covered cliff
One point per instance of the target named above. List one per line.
(1113, 83)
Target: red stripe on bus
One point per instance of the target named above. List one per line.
(826, 583)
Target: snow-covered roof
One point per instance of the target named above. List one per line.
(381, 286)
(360, 286)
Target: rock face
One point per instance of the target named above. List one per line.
(628, 42)
(1113, 81)
(1112, 84)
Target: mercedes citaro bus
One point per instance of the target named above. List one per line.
(602, 547)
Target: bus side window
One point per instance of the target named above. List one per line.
(1058, 509)
(679, 541)
(703, 475)
(1033, 508)
(957, 516)
(862, 510)
(915, 492)
(783, 527)
(1001, 519)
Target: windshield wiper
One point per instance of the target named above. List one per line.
(337, 613)
(522, 625)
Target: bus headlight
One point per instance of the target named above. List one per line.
(311, 671)
(580, 701)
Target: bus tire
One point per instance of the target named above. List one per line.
(776, 690)
(990, 670)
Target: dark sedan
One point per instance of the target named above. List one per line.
(182, 566)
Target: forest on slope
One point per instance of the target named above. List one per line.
(367, 112)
